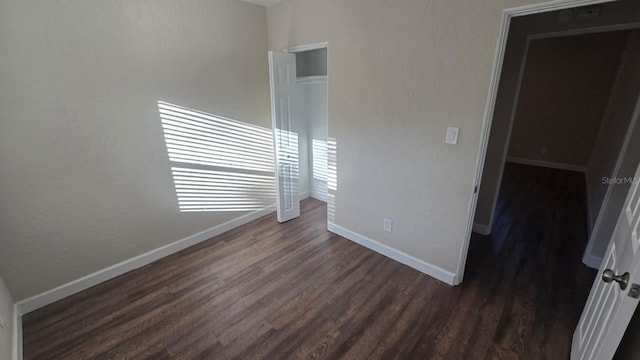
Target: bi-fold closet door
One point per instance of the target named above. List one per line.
(284, 101)
(299, 118)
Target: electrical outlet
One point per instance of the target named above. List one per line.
(386, 226)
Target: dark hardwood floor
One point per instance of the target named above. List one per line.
(295, 291)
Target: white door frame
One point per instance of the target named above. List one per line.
(507, 15)
(307, 47)
(311, 79)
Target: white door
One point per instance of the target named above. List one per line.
(282, 74)
(609, 308)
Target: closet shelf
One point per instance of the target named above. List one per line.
(319, 79)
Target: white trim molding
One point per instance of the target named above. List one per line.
(307, 47)
(265, 3)
(586, 30)
(592, 261)
(316, 79)
(550, 6)
(507, 15)
(482, 229)
(547, 164)
(395, 254)
(17, 334)
(73, 287)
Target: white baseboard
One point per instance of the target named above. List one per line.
(303, 195)
(397, 255)
(319, 197)
(547, 164)
(63, 291)
(592, 261)
(481, 229)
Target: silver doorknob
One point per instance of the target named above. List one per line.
(622, 280)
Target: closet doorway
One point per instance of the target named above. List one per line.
(299, 112)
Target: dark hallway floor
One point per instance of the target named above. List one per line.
(535, 255)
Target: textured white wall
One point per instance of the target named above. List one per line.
(301, 127)
(316, 109)
(6, 322)
(85, 180)
(401, 72)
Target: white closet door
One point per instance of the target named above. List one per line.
(282, 74)
(614, 295)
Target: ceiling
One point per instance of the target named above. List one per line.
(262, 2)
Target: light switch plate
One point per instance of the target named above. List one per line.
(452, 135)
(388, 223)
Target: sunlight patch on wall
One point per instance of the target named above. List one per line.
(331, 208)
(332, 164)
(208, 190)
(196, 137)
(220, 164)
(319, 158)
(332, 178)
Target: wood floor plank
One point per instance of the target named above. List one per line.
(295, 291)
